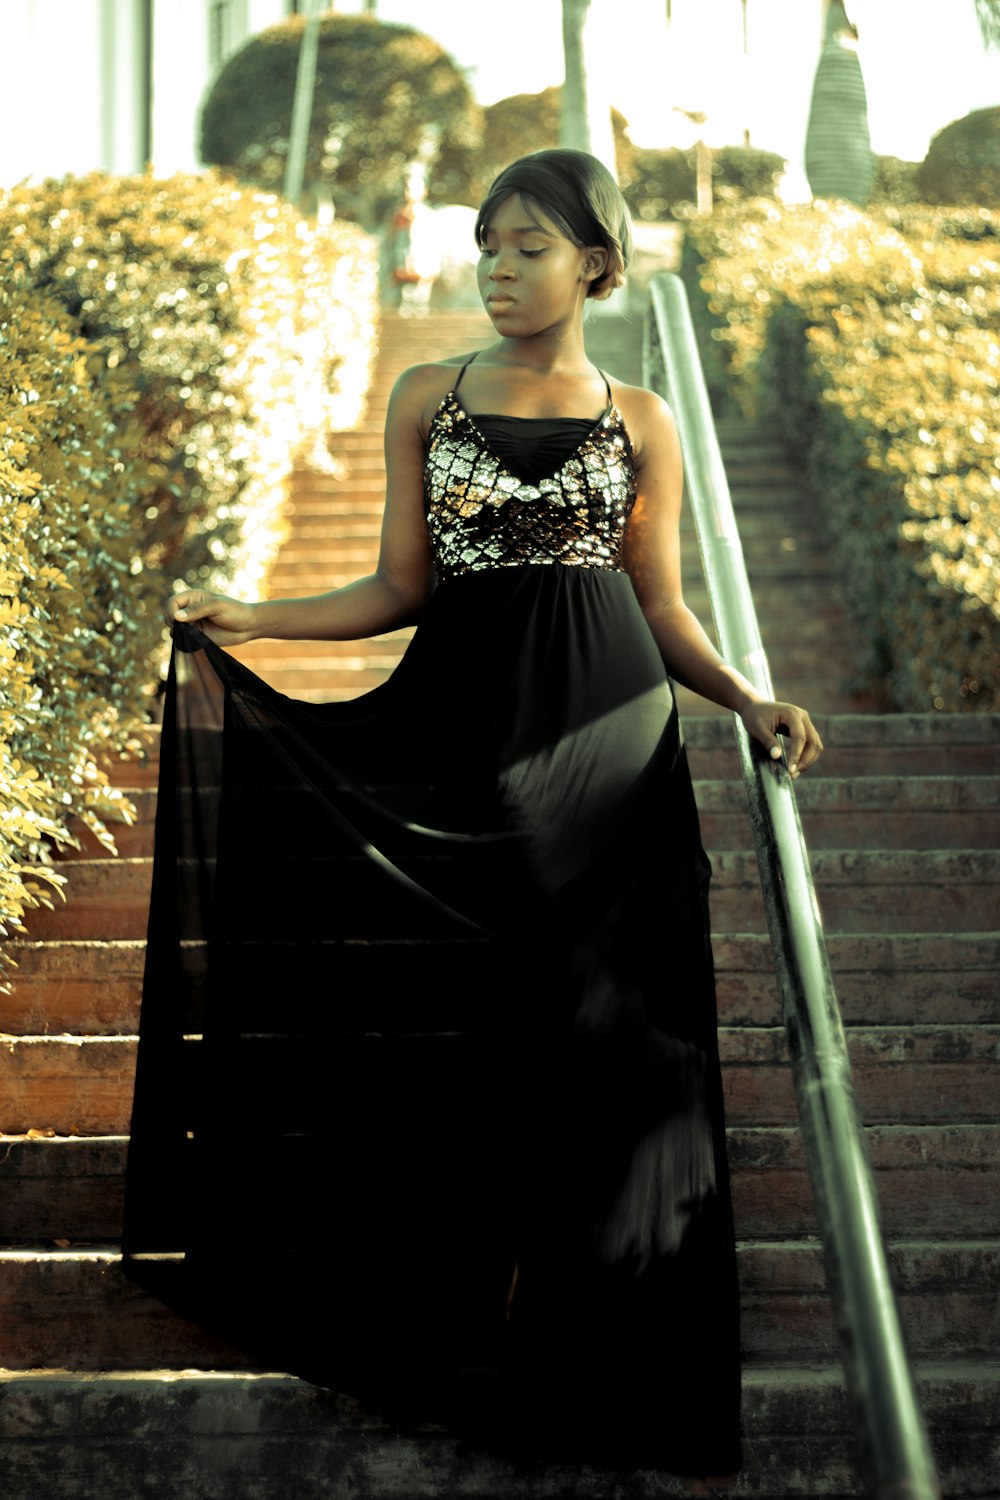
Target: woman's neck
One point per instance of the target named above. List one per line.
(549, 353)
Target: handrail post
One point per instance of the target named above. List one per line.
(895, 1456)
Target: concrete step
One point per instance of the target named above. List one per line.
(173, 1436)
(74, 1308)
(91, 987)
(941, 1181)
(903, 1074)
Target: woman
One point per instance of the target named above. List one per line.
(457, 935)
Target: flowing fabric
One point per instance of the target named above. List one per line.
(428, 1103)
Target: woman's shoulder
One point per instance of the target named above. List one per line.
(645, 414)
(420, 389)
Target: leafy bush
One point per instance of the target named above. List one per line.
(895, 181)
(242, 332)
(73, 645)
(874, 344)
(663, 183)
(962, 164)
(382, 93)
(167, 348)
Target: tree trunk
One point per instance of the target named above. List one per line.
(586, 104)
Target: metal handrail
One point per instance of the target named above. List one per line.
(895, 1456)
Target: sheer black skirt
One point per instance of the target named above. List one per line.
(428, 1104)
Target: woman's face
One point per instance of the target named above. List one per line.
(531, 277)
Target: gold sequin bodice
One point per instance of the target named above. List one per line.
(480, 515)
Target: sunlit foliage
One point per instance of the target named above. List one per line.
(72, 637)
(168, 348)
(872, 338)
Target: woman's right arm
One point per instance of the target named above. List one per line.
(384, 600)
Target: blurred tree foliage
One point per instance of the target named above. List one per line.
(662, 184)
(385, 95)
(962, 164)
(895, 181)
(530, 122)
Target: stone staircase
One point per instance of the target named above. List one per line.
(108, 1392)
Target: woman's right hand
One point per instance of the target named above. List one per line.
(226, 622)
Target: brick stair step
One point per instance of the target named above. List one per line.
(308, 674)
(341, 667)
(891, 979)
(273, 1437)
(878, 812)
(903, 1074)
(78, 986)
(316, 681)
(867, 812)
(105, 899)
(74, 1308)
(91, 987)
(867, 744)
(361, 503)
(864, 890)
(939, 1180)
(856, 744)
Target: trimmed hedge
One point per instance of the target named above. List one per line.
(871, 339)
(168, 349)
(70, 646)
(242, 332)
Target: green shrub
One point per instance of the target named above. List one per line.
(168, 349)
(74, 647)
(895, 181)
(877, 352)
(962, 164)
(242, 332)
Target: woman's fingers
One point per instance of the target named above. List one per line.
(766, 720)
(806, 746)
(189, 604)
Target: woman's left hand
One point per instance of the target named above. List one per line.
(765, 721)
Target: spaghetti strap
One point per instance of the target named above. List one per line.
(462, 371)
(607, 385)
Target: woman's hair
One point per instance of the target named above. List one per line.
(580, 196)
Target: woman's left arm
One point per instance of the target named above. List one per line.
(653, 562)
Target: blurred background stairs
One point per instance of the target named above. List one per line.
(107, 1392)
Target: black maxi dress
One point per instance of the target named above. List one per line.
(428, 1104)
